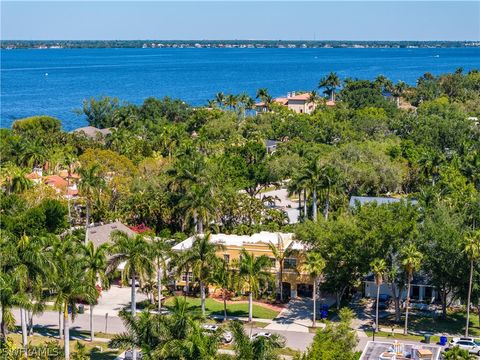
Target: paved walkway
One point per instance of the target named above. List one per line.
(115, 299)
(297, 315)
(283, 202)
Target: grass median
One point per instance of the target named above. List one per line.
(213, 307)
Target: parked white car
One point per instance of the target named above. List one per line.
(210, 327)
(227, 336)
(129, 355)
(261, 334)
(470, 344)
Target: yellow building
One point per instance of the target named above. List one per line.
(295, 281)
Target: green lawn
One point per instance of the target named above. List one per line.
(453, 324)
(383, 334)
(216, 308)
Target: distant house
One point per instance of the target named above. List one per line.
(271, 146)
(57, 182)
(362, 200)
(36, 175)
(100, 234)
(421, 289)
(92, 132)
(300, 103)
(261, 107)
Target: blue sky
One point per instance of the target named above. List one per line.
(286, 20)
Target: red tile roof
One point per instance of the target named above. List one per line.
(33, 175)
(304, 97)
(55, 181)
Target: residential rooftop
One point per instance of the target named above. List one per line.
(92, 132)
(101, 234)
(379, 200)
(378, 350)
(263, 237)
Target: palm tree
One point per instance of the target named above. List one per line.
(61, 250)
(200, 256)
(231, 101)
(472, 251)
(33, 154)
(143, 332)
(261, 348)
(330, 83)
(456, 353)
(298, 184)
(70, 286)
(262, 94)
(197, 345)
(313, 97)
(280, 253)
(268, 101)
(90, 185)
(250, 103)
(14, 179)
(10, 297)
(223, 277)
(265, 97)
(70, 160)
(314, 265)
(411, 260)
(379, 267)
(134, 251)
(212, 104)
(311, 177)
(181, 263)
(429, 163)
(32, 268)
(161, 252)
(95, 264)
(398, 90)
(383, 83)
(329, 179)
(198, 204)
(220, 99)
(252, 269)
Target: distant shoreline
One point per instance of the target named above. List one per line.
(249, 44)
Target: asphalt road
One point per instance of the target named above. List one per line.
(49, 319)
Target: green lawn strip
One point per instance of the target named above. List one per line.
(288, 351)
(216, 308)
(53, 332)
(453, 324)
(258, 324)
(383, 334)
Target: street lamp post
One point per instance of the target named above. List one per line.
(374, 327)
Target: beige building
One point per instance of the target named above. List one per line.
(300, 103)
(295, 281)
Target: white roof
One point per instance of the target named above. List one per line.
(241, 240)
